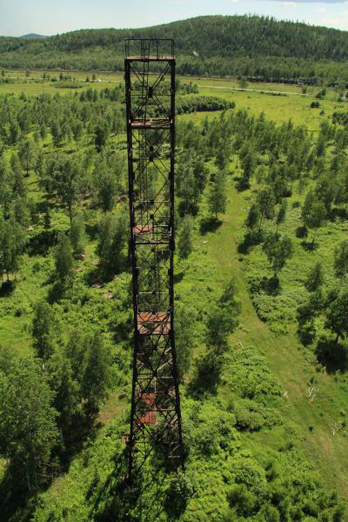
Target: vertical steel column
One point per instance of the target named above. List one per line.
(150, 100)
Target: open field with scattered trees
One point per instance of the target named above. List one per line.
(261, 300)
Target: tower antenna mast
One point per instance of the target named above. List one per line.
(150, 109)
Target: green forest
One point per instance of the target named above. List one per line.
(261, 278)
(245, 46)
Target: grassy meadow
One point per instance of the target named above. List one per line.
(311, 401)
(279, 102)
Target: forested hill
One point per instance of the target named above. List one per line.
(209, 36)
(32, 36)
(220, 45)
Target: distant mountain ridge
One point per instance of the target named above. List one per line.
(32, 36)
(208, 45)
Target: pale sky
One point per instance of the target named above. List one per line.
(19, 17)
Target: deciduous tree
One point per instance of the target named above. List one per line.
(28, 431)
(112, 240)
(341, 259)
(217, 196)
(105, 184)
(266, 203)
(78, 235)
(44, 330)
(315, 278)
(101, 135)
(64, 261)
(313, 213)
(27, 154)
(281, 215)
(185, 238)
(67, 181)
(223, 318)
(337, 313)
(12, 245)
(278, 250)
(96, 377)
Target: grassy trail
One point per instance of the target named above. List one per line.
(290, 366)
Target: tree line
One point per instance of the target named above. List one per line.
(211, 45)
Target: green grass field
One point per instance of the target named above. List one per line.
(313, 401)
(259, 97)
(214, 261)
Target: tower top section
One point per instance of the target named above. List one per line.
(154, 49)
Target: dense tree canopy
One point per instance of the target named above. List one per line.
(206, 45)
(28, 431)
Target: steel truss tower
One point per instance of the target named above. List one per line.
(150, 102)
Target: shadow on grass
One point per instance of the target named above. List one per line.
(309, 246)
(42, 242)
(120, 499)
(102, 274)
(250, 239)
(58, 290)
(338, 213)
(145, 497)
(207, 376)
(46, 204)
(209, 225)
(332, 354)
(7, 288)
(179, 277)
(81, 427)
(241, 184)
(94, 277)
(15, 501)
(116, 499)
(92, 230)
(17, 504)
(268, 285)
(302, 232)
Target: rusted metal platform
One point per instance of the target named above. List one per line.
(153, 124)
(143, 229)
(153, 323)
(150, 58)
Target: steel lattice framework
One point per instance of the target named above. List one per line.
(150, 102)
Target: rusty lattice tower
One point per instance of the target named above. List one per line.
(150, 100)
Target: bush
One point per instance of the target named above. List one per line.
(202, 103)
(307, 332)
(67, 85)
(248, 420)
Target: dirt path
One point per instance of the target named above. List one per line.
(253, 90)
